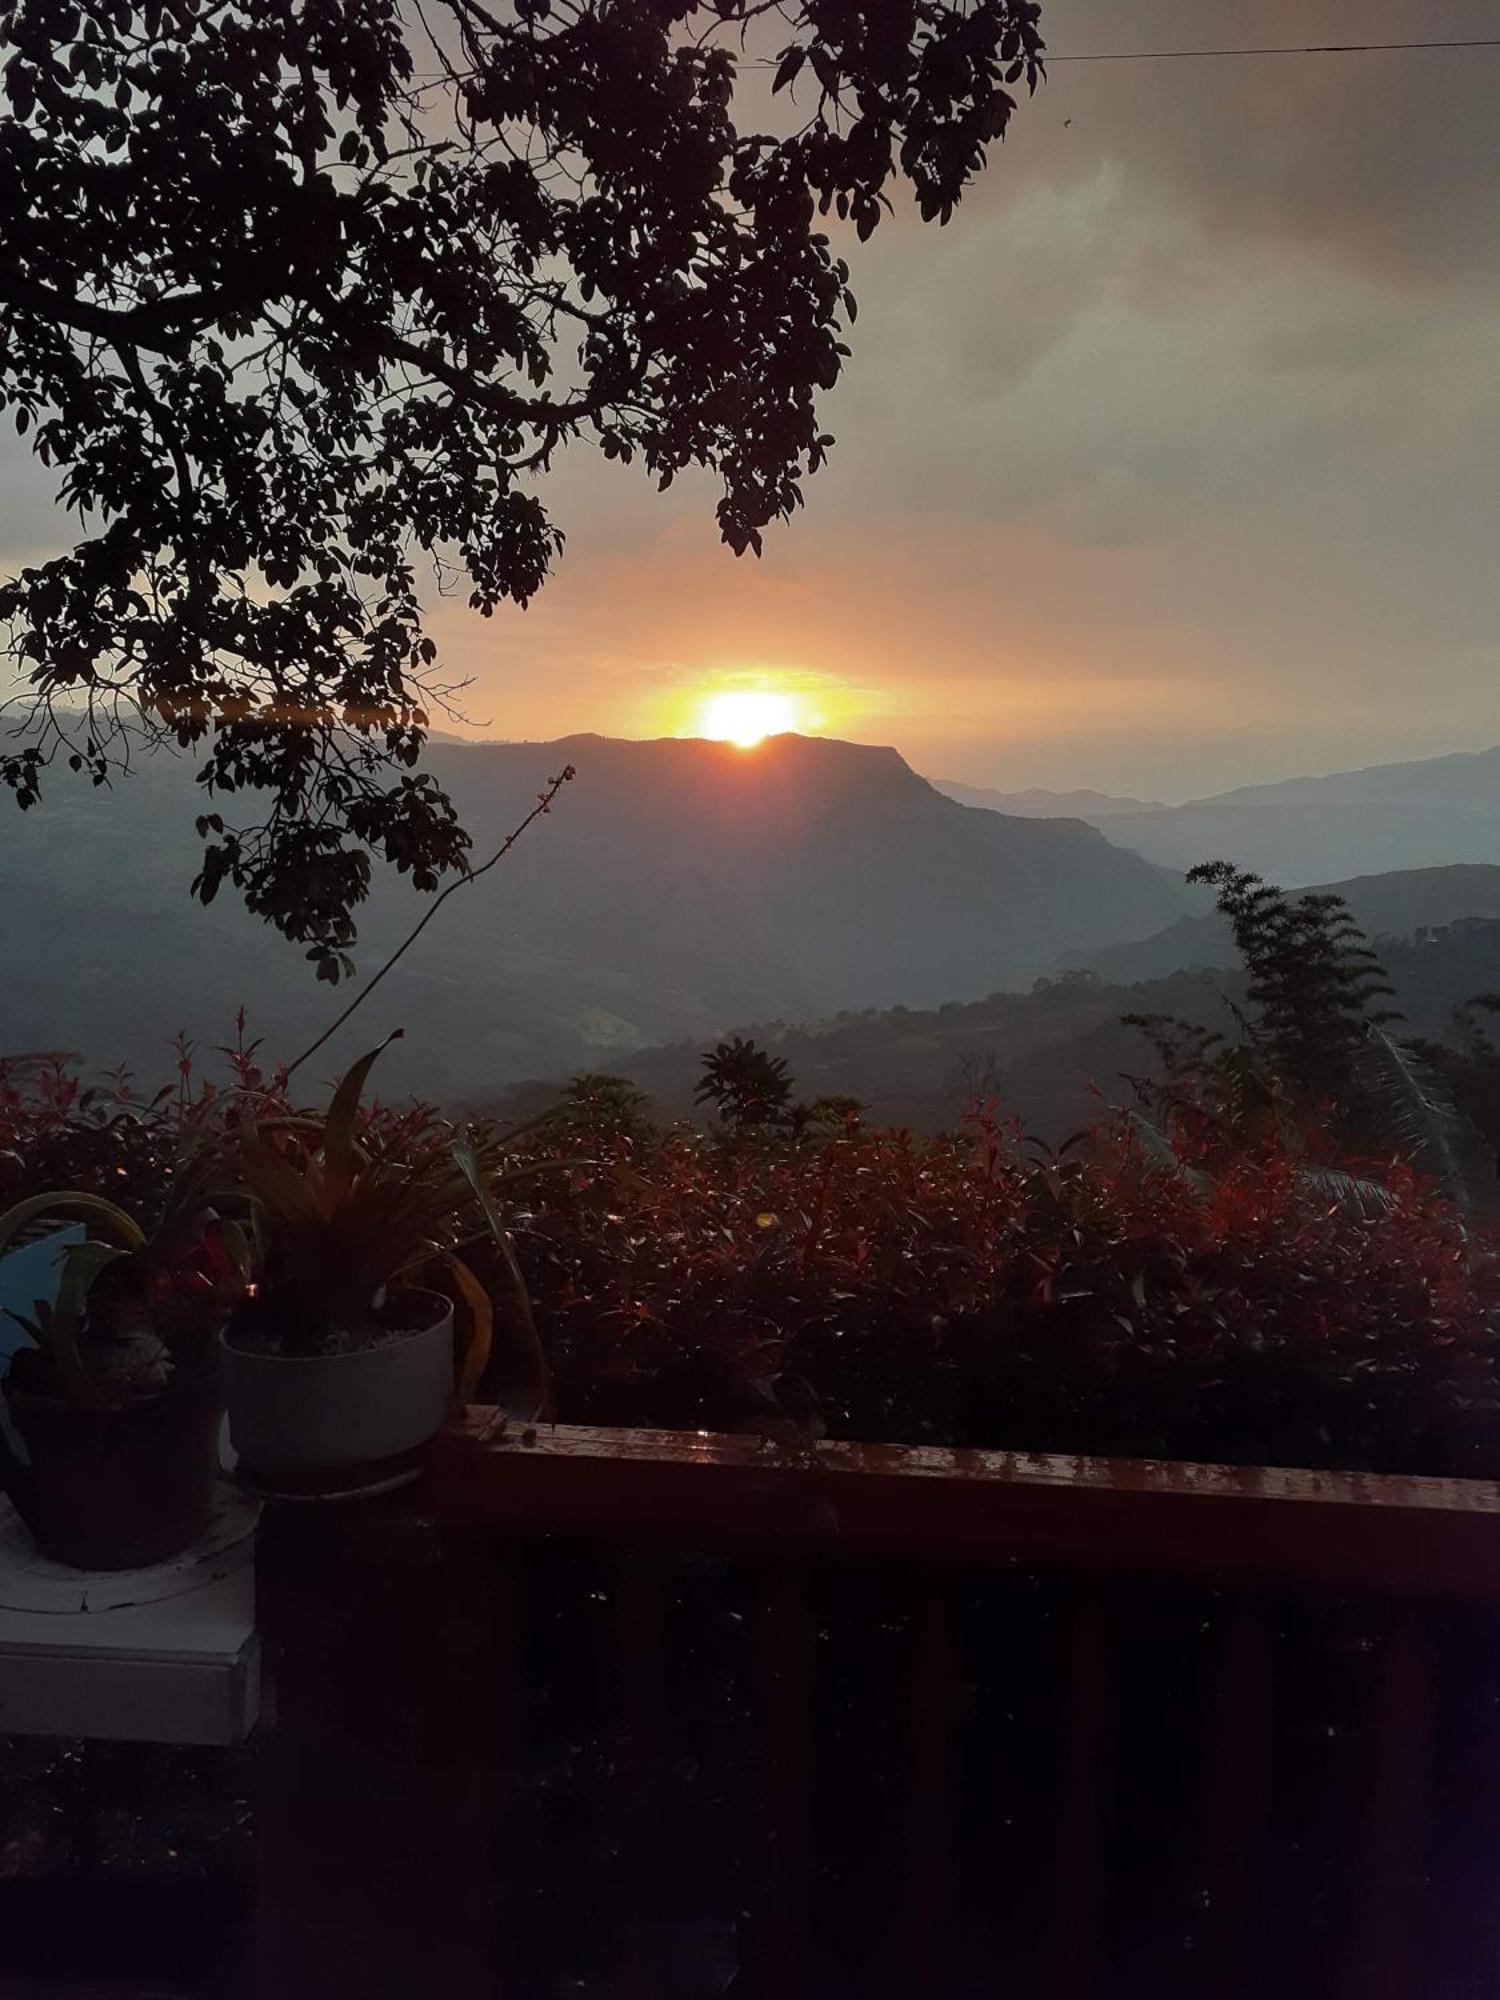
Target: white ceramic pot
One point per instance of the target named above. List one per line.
(289, 1411)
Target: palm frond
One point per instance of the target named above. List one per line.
(1422, 1119)
(1158, 1151)
(1351, 1195)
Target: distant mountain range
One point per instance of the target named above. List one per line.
(677, 888)
(1038, 804)
(1396, 905)
(1392, 816)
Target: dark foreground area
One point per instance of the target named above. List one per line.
(509, 1756)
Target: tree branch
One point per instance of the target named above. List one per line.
(140, 326)
(166, 326)
(524, 409)
(543, 805)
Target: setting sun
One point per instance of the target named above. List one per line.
(746, 716)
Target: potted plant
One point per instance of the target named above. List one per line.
(341, 1355)
(116, 1402)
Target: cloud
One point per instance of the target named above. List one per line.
(1383, 161)
(1171, 463)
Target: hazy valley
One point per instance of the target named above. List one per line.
(683, 888)
(677, 888)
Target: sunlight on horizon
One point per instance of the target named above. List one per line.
(747, 716)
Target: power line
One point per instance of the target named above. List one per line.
(1308, 49)
(1167, 55)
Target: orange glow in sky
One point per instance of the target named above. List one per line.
(746, 716)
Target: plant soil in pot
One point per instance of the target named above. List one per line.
(122, 1485)
(355, 1403)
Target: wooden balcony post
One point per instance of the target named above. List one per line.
(373, 1829)
(1239, 1797)
(1399, 1788)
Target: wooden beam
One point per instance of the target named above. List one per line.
(1221, 1524)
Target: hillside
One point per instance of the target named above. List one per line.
(1046, 1056)
(678, 886)
(1395, 905)
(1428, 814)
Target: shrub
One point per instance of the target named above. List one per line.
(962, 1292)
(966, 1290)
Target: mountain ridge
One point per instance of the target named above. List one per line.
(1378, 819)
(1036, 802)
(677, 886)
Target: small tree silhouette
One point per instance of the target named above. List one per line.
(603, 1106)
(1313, 979)
(1314, 1042)
(747, 1085)
(835, 1112)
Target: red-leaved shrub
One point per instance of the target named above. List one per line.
(958, 1290)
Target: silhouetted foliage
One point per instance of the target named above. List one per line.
(1313, 979)
(834, 1112)
(1468, 1063)
(595, 1105)
(58, 1132)
(1314, 1071)
(298, 295)
(747, 1087)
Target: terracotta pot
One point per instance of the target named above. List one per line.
(301, 1412)
(117, 1488)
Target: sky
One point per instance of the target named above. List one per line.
(1169, 465)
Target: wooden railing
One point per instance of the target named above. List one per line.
(1306, 1665)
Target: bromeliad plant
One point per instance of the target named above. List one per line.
(116, 1402)
(129, 1305)
(342, 1221)
(350, 1217)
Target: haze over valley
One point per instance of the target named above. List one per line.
(683, 888)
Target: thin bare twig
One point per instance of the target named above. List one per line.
(543, 805)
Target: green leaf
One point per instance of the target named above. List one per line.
(338, 1130)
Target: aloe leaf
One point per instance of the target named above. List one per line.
(237, 1243)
